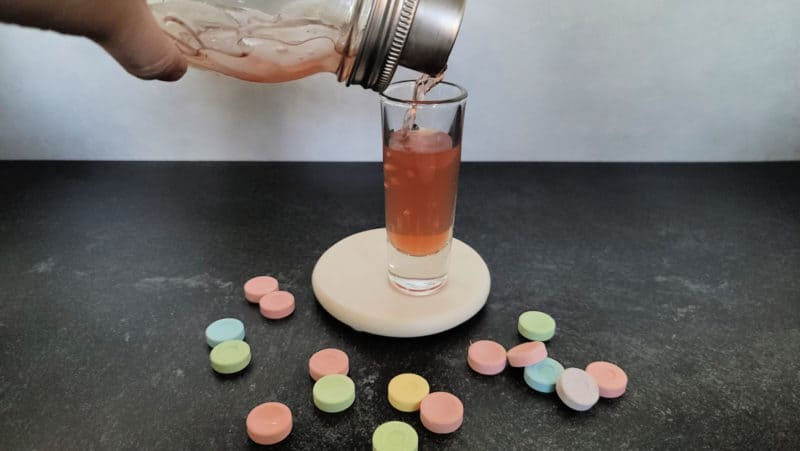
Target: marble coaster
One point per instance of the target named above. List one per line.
(350, 282)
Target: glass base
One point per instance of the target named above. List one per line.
(418, 275)
(418, 287)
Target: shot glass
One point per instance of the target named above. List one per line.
(421, 159)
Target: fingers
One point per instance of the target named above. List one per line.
(141, 47)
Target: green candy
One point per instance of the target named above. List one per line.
(536, 326)
(334, 393)
(395, 436)
(230, 356)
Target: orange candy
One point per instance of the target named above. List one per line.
(269, 423)
(610, 378)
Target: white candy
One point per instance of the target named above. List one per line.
(577, 389)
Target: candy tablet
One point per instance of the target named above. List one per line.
(536, 326)
(269, 423)
(577, 389)
(395, 436)
(276, 305)
(441, 413)
(543, 376)
(224, 329)
(611, 380)
(328, 361)
(257, 287)
(230, 356)
(334, 393)
(486, 357)
(406, 392)
(527, 354)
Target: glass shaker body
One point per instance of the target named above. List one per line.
(263, 40)
(270, 41)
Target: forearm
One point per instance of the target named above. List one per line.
(91, 18)
(125, 28)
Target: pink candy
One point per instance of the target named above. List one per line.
(328, 361)
(273, 304)
(257, 287)
(527, 354)
(441, 412)
(487, 357)
(277, 304)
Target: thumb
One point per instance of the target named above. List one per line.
(141, 47)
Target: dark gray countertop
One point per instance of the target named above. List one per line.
(688, 276)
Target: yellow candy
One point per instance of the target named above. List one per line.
(406, 391)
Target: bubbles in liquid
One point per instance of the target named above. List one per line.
(420, 190)
(281, 49)
(422, 140)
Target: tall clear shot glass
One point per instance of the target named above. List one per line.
(421, 159)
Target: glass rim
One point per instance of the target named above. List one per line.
(460, 97)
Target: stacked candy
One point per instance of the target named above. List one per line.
(272, 302)
(333, 391)
(229, 353)
(578, 389)
(271, 422)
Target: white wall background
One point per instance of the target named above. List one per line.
(651, 80)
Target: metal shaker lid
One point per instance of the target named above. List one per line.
(432, 36)
(417, 34)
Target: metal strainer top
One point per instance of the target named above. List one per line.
(417, 34)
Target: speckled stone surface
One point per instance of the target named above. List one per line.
(686, 276)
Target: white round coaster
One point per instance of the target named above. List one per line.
(351, 283)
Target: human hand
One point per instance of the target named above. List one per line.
(126, 29)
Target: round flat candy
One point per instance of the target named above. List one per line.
(224, 329)
(276, 304)
(230, 356)
(536, 326)
(441, 412)
(334, 393)
(527, 354)
(406, 392)
(543, 376)
(577, 389)
(486, 357)
(257, 287)
(611, 380)
(269, 423)
(328, 361)
(395, 436)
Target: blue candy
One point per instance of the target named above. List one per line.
(224, 329)
(542, 376)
